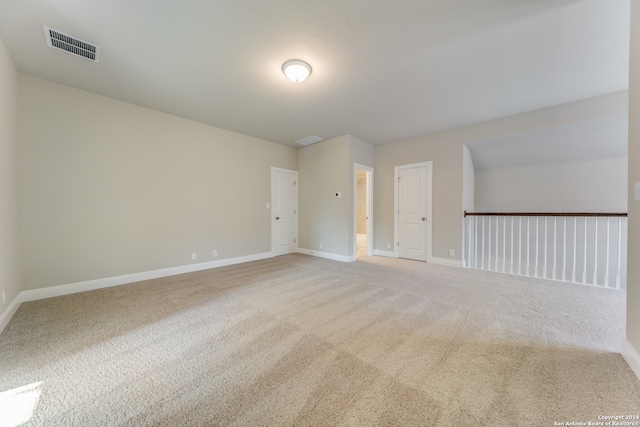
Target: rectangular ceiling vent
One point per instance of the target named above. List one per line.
(72, 45)
(309, 140)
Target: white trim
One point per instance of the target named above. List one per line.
(446, 261)
(10, 311)
(295, 208)
(327, 255)
(396, 170)
(434, 260)
(369, 171)
(631, 356)
(89, 285)
(388, 254)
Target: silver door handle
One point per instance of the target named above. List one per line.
(277, 217)
(423, 218)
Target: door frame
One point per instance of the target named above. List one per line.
(294, 248)
(396, 204)
(369, 171)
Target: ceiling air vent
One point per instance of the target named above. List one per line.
(309, 140)
(72, 45)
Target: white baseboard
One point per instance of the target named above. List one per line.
(388, 254)
(446, 261)
(433, 260)
(10, 311)
(631, 356)
(327, 255)
(71, 288)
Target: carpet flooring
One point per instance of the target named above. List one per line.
(303, 341)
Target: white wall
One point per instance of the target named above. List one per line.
(323, 218)
(633, 271)
(596, 185)
(325, 168)
(10, 279)
(109, 188)
(444, 151)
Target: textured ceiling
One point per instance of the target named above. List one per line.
(382, 70)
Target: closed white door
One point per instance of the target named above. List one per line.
(412, 213)
(284, 211)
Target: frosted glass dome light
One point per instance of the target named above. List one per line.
(296, 70)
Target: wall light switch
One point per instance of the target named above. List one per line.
(636, 192)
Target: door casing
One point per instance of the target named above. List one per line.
(369, 190)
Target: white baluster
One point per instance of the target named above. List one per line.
(606, 270)
(564, 251)
(520, 248)
(555, 246)
(490, 239)
(497, 240)
(469, 231)
(584, 271)
(511, 266)
(619, 252)
(595, 255)
(482, 262)
(544, 270)
(504, 244)
(465, 231)
(475, 242)
(575, 248)
(535, 273)
(528, 258)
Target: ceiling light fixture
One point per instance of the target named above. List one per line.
(296, 70)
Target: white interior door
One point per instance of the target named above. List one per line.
(412, 213)
(284, 228)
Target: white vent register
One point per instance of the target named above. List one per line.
(309, 140)
(70, 44)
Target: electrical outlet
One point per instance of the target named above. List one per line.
(194, 256)
(388, 245)
(215, 253)
(452, 252)
(321, 245)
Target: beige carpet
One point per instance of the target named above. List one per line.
(298, 340)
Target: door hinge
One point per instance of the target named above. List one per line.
(294, 211)
(294, 182)
(295, 240)
(398, 244)
(398, 179)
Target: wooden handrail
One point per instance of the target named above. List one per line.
(589, 214)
